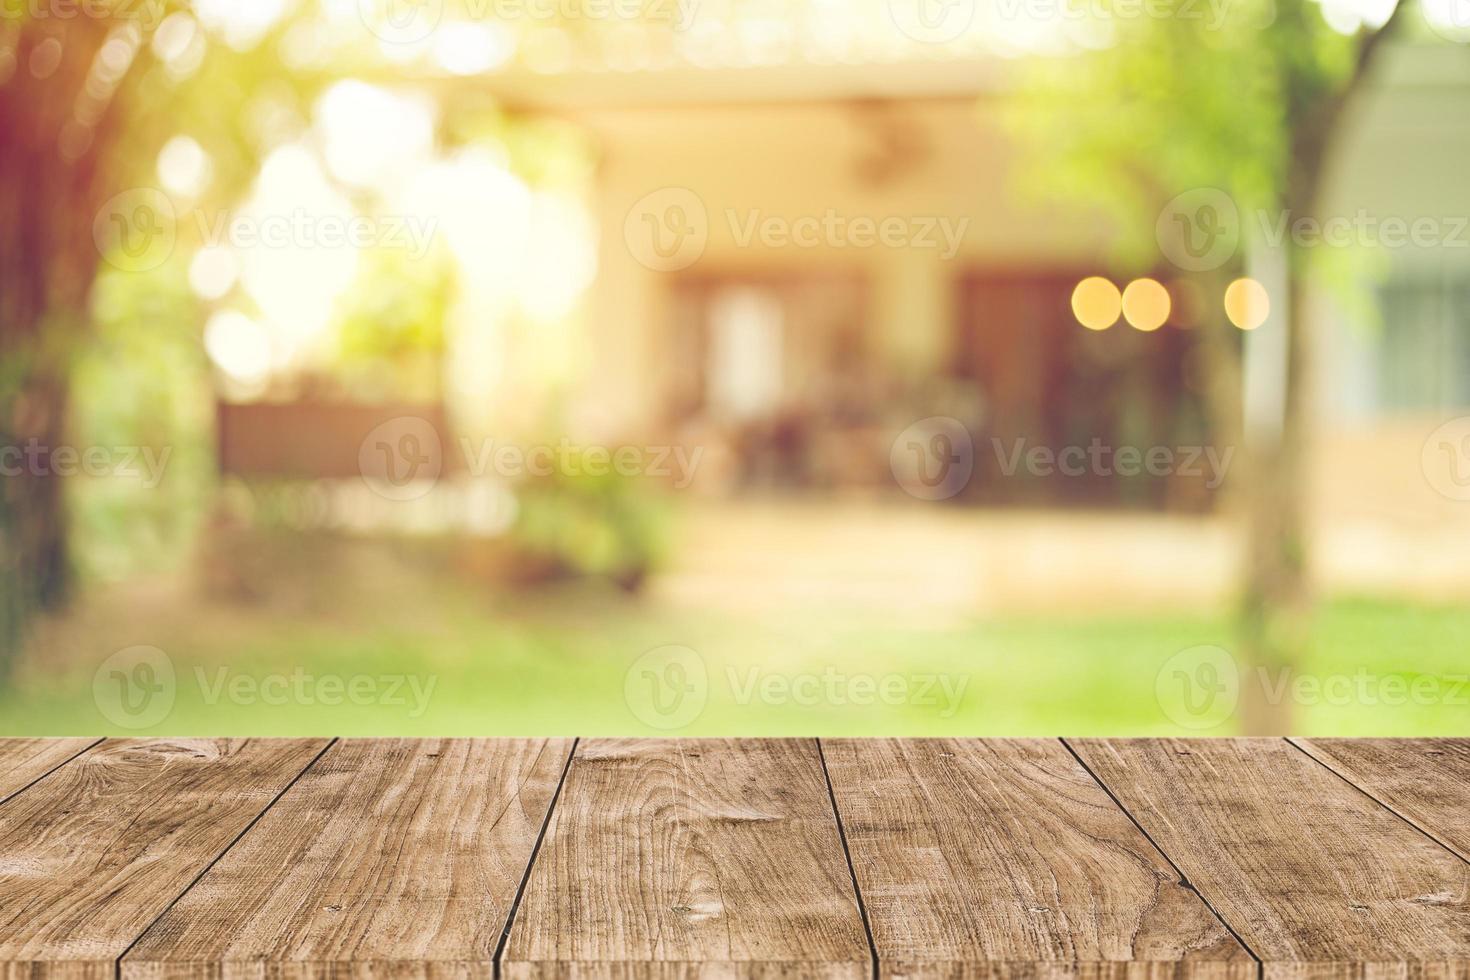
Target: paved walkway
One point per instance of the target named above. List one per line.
(928, 559)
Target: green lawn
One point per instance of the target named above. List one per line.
(569, 662)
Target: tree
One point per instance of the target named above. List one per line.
(1248, 104)
(85, 106)
(90, 93)
(60, 80)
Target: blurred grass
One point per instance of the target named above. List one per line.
(555, 662)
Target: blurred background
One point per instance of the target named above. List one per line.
(767, 367)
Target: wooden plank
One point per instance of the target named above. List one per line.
(393, 857)
(1004, 858)
(1424, 780)
(1317, 879)
(682, 859)
(25, 760)
(91, 854)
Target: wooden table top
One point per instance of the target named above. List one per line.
(606, 859)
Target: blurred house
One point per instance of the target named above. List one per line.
(798, 259)
(796, 360)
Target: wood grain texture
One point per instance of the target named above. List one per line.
(1424, 780)
(25, 760)
(1317, 879)
(1004, 858)
(392, 858)
(90, 855)
(683, 859)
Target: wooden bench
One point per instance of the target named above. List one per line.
(609, 859)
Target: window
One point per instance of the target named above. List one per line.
(1424, 349)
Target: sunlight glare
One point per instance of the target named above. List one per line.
(241, 24)
(561, 256)
(238, 346)
(183, 166)
(213, 271)
(372, 137)
(293, 276)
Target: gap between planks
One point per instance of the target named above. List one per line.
(1183, 878)
(1377, 798)
(117, 964)
(857, 890)
(515, 905)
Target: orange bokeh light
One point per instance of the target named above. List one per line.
(1247, 304)
(1096, 303)
(1146, 304)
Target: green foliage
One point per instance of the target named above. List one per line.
(390, 340)
(141, 385)
(1191, 98)
(607, 526)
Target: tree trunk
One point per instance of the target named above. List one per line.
(1276, 601)
(1276, 608)
(35, 574)
(51, 186)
